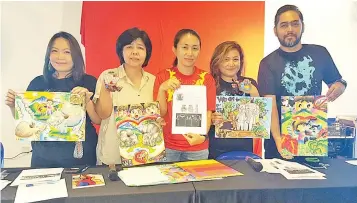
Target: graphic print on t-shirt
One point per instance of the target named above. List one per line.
(297, 77)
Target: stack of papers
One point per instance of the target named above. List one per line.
(40, 184)
(176, 173)
(140, 176)
(290, 170)
(4, 183)
(353, 162)
(41, 191)
(38, 175)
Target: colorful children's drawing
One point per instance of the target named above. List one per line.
(87, 180)
(304, 125)
(176, 174)
(50, 116)
(207, 169)
(140, 135)
(244, 117)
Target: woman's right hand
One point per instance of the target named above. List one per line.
(171, 83)
(217, 118)
(111, 82)
(10, 98)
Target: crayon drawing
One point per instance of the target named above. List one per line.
(244, 117)
(87, 180)
(207, 169)
(50, 116)
(140, 135)
(304, 125)
(176, 174)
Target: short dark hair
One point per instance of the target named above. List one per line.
(78, 69)
(286, 8)
(130, 35)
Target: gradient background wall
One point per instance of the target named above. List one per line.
(215, 22)
(26, 28)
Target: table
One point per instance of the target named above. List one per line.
(115, 191)
(254, 187)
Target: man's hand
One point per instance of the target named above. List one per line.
(282, 154)
(335, 90)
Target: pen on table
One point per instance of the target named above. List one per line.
(84, 169)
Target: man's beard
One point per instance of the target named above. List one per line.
(290, 43)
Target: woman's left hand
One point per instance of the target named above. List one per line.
(82, 90)
(247, 87)
(194, 139)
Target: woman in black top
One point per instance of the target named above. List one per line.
(63, 71)
(226, 67)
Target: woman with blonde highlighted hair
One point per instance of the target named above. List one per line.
(227, 66)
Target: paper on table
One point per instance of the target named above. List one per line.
(38, 175)
(149, 175)
(353, 162)
(189, 110)
(268, 166)
(292, 170)
(41, 191)
(4, 183)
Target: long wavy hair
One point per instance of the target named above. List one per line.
(218, 56)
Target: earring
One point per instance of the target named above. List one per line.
(49, 66)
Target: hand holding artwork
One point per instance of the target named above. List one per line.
(217, 118)
(82, 90)
(282, 153)
(194, 139)
(170, 84)
(10, 98)
(244, 86)
(335, 90)
(161, 121)
(111, 82)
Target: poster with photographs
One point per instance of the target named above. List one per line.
(189, 110)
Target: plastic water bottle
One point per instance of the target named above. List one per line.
(1, 155)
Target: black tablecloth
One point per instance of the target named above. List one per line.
(253, 187)
(115, 191)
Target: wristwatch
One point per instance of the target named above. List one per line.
(342, 81)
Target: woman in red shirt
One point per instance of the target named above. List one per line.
(187, 45)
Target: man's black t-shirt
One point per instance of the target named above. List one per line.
(218, 146)
(295, 74)
(58, 153)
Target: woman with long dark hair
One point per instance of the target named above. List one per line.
(64, 71)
